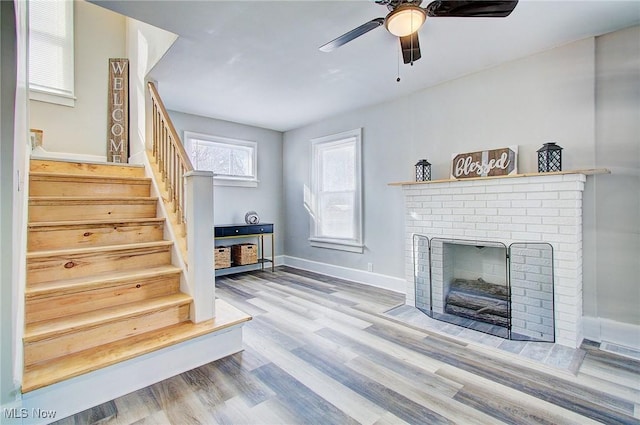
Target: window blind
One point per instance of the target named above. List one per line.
(51, 47)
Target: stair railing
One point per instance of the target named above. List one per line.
(190, 193)
(169, 154)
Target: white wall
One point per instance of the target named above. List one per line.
(231, 203)
(146, 45)
(99, 35)
(7, 89)
(549, 96)
(13, 201)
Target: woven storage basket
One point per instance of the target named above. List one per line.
(222, 257)
(244, 253)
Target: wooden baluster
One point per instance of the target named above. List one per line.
(156, 136)
(155, 133)
(181, 194)
(170, 159)
(171, 176)
(161, 152)
(159, 138)
(163, 167)
(181, 191)
(153, 129)
(174, 173)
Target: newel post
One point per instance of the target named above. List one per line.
(200, 243)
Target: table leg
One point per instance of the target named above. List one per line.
(262, 252)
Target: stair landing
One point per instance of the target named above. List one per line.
(56, 370)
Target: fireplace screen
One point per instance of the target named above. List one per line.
(487, 286)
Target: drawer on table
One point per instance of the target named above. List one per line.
(230, 231)
(260, 228)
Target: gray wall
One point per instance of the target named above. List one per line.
(544, 97)
(616, 293)
(386, 157)
(231, 203)
(550, 96)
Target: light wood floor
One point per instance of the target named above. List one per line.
(322, 351)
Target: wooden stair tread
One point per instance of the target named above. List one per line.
(68, 166)
(93, 178)
(103, 280)
(50, 328)
(81, 200)
(94, 223)
(98, 249)
(56, 370)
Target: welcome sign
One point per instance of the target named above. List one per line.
(118, 111)
(489, 163)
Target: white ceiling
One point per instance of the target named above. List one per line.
(258, 63)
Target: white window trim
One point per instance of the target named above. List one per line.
(356, 244)
(223, 180)
(51, 95)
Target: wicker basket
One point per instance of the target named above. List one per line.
(222, 257)
(244, 253)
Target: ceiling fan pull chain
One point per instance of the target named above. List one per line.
(412, 43)
(399, 53)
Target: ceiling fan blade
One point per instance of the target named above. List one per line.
(410, 48)
(351, 35)
(471, 9)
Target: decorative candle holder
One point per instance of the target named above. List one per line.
(549, 158)
(423, 171)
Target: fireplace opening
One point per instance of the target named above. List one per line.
(487, 286)
(474, 285)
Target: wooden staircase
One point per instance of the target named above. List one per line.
(101, 287)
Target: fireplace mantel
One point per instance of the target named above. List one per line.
(586, 172)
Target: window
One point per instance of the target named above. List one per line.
(233, 162)
(336, 195)
(51, 51)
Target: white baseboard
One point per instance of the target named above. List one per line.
(605, 330)
(40, 153)
(91, 389)
(368, 278)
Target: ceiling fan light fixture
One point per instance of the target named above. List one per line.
(405, 20)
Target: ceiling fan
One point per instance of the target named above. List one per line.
(406, 17)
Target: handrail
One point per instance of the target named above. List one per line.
(169, 154)
(191, 194)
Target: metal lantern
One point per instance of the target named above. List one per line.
(549, 158)
(423, 171)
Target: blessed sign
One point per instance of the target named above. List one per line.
(495, 162)
(118, 111)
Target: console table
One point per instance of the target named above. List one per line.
(234, 231)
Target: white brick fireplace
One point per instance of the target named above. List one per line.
(526, 208)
